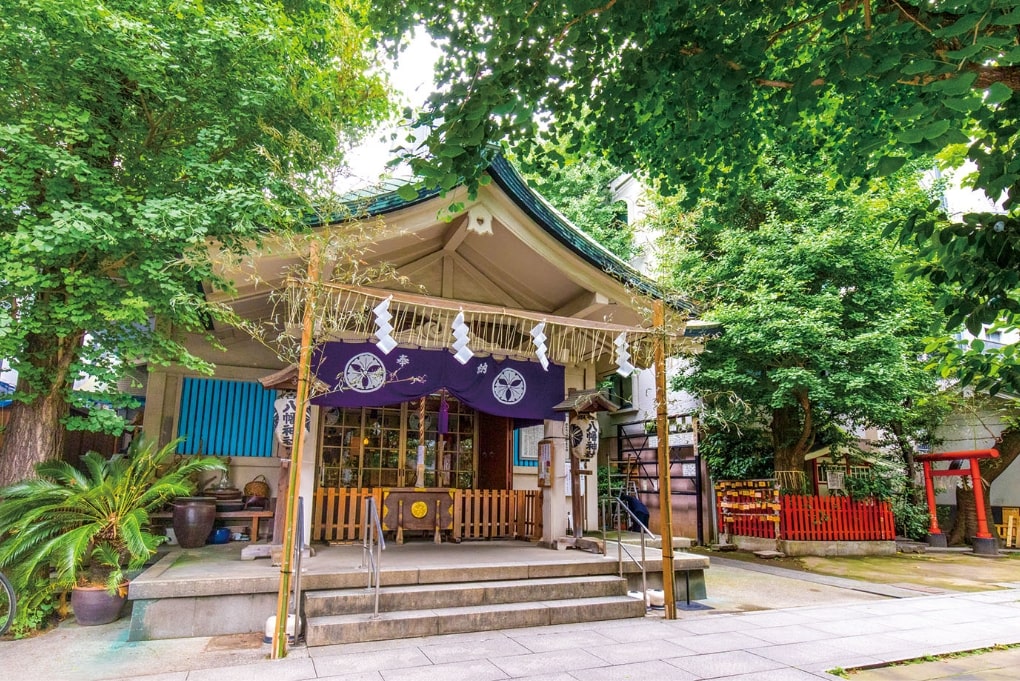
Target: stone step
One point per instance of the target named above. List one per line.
(420, 597)
(353, 628)
(653, 542)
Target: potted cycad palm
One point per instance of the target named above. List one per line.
(88, 528)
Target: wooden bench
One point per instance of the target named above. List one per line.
(253, 515)
(1009, 529)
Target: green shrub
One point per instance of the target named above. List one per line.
(68, 527)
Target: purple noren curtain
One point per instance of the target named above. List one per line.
(360, 375)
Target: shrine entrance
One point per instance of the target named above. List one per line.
(983, 542)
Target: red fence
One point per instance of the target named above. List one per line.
(751, 526)
(804, 518)
(753, 508)
(749, 508)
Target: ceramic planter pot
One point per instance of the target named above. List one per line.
(193, 519)
(94, 605)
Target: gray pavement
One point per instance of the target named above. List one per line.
(761, 626)
(997, 665)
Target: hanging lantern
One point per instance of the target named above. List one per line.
(284, 417)
(584, 436)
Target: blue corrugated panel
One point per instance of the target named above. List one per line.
(225, 418)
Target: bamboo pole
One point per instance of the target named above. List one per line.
(665, 496)
(290, 520)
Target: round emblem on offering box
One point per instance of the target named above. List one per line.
(419, 509)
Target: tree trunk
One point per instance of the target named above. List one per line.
(792, 437)
(913, 492)
(965, 524)
(34, 432)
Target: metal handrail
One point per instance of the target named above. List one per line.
(620, 549)
(372, 541)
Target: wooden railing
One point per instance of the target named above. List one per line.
(803, 517)
(750, 525)
(337, 514)
(497, 513)
(810, 518)
(477, 514)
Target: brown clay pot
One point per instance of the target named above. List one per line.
(93, 605)
(193, 519)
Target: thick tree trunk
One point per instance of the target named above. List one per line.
(792, 437)
(965, 524)
(34, 432)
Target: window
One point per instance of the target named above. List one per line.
(378, 446)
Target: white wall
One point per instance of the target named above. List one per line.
(977, 430)
(629, 190)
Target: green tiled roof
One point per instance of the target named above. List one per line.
(547, 217)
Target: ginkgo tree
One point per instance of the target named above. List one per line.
(822, 331)
(134, 135)
(695, 93)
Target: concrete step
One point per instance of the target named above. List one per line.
(680, 543)
(450, 595)
(353, 628)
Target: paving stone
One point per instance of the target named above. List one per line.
(657, 670)
(716, 665)
(470, 670)
(555, 661)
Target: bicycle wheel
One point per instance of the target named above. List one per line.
(7, 603)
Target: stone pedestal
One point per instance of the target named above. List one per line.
(985, 546)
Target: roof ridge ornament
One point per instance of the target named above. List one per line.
(479, 220)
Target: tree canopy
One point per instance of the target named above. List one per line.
(132, 135)
(821, 330)
(695, 95)
(580, 189)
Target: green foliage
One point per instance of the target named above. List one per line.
(136, 134)
(696, 90)
(870, 484)
(699, 94)
(37, 606)
(734, 454)
(912, 517)
(821, 333)
(89, 526)
(579, 188)
(977, 262)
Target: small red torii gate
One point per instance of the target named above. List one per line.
(983, 542)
